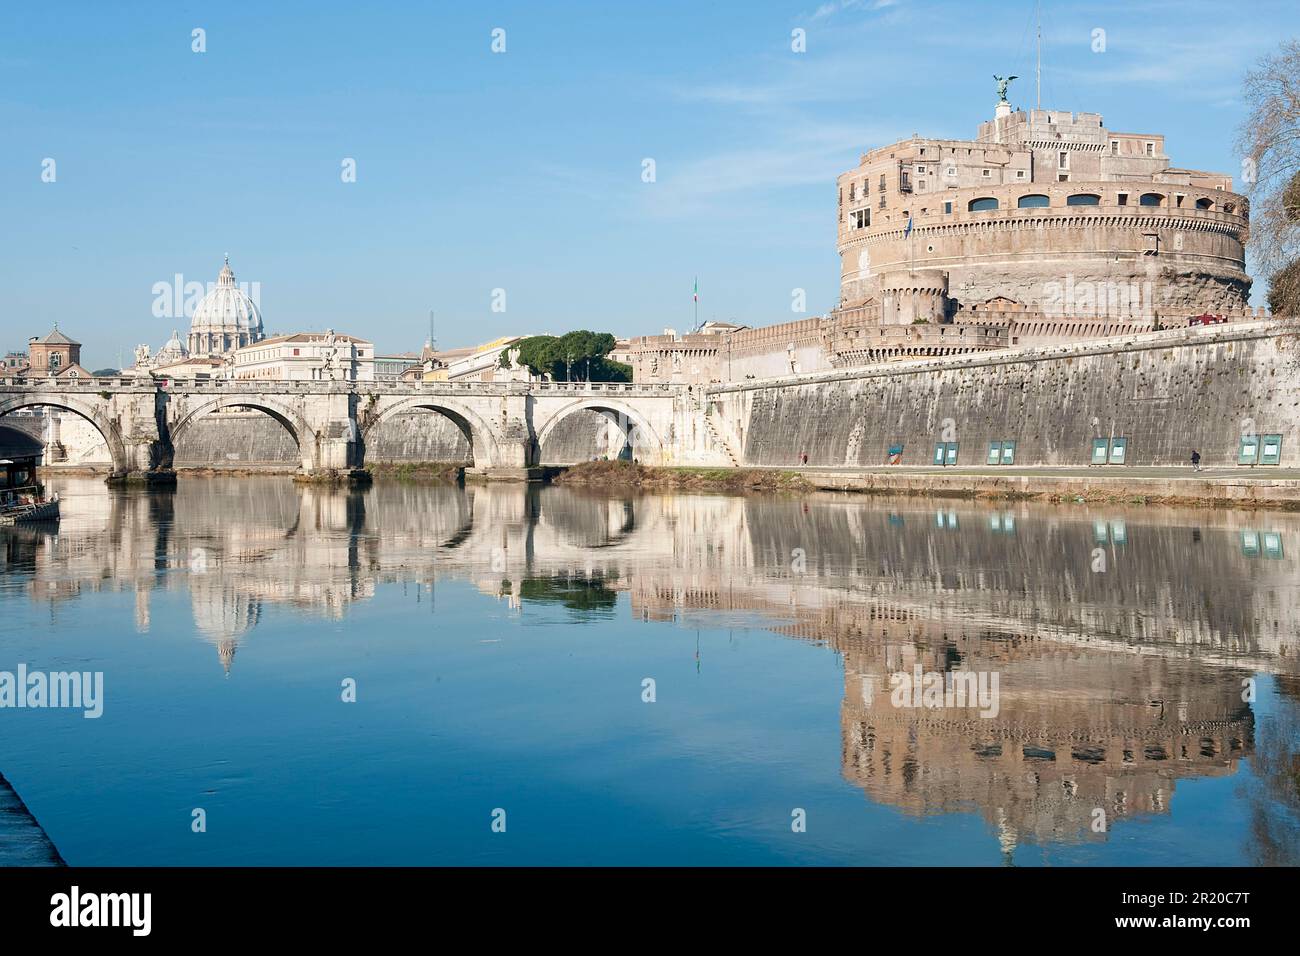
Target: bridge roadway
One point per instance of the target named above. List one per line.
(506, 424)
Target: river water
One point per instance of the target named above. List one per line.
(428, 674)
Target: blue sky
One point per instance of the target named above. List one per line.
(522, 170)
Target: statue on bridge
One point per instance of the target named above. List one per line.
(329, 365)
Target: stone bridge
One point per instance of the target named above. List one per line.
(505, 424)
(1156, 394)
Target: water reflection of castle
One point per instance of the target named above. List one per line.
(1115, 684)
(1076, 732)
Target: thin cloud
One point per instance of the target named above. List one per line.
(1207, 68)
(841, 6)
(812, 157)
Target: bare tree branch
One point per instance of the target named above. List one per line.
(1269, 143)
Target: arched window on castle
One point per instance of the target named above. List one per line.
(1151, 199)
(982, 204)
(1083, 199)
(1205, 204)
(1033, 201)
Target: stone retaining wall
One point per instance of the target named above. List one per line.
(1166, 393)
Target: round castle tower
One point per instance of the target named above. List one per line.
(1040, 206)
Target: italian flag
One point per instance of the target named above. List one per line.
(695, 296)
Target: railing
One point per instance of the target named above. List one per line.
(78, 384)
(278, 386)
(1137, 339)
(586, 387)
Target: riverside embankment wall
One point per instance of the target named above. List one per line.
(1166, 393)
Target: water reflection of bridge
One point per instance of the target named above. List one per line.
(1118, 678)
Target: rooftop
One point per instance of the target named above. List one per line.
(308, 337)
(55, 337)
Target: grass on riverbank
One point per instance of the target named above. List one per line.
(417, 471)
(624, 474)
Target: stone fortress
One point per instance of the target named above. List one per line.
(1047, 228)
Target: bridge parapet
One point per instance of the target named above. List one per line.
(604, 388)
(143, 420)
(1245, 327)
(226, 386)
(78, 385)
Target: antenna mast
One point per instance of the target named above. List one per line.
(1038, 72)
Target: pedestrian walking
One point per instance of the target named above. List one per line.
(803, 457)
(1196, 460)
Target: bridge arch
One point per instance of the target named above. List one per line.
(303, 434)
(636, 428)
(482, 441)
(89, 410)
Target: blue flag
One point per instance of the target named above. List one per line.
(908, 231)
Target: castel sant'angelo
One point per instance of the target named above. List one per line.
(1047, 228)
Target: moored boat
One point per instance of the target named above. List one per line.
(30, 512)
(22, 498)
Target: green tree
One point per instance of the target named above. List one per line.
(537, 354)
(607, 370)
(578, 356)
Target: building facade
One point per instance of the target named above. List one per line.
(327, 356)
(392, 368)
(480, 363)
(54, 354)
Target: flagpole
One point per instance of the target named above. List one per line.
(1038, 70)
